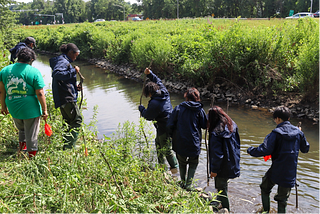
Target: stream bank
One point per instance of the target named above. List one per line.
(226, 92)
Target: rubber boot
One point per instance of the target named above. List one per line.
(223, 198)
(183, 172)
(265, 202)
(32, 154)
(191, 172)
(70, 140)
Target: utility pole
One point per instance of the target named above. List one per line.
(124, 11)
(177, 9)
(311, 7)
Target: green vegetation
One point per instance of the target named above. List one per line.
(82, 10)
(259, 56)
(123, 179)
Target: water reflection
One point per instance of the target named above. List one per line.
(118, 99)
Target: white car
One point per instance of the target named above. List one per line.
(300, 15)
(99, 20)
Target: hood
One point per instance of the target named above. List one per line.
(18, 46)
(160, 95)
(62, 59)
(287, 130)
(195, 106)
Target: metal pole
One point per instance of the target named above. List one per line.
(177, 9)
(311, 7)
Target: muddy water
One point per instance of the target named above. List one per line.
(118, 99)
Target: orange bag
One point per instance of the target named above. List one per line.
(267, 157)
(47, 129)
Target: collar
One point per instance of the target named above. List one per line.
(68, 58)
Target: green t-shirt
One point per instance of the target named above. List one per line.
(21, 81)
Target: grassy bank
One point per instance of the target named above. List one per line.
(118, 175)
(261, 56)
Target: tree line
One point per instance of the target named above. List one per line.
(75, 11)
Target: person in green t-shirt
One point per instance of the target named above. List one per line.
(22, 95)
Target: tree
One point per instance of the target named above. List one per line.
(7, 23)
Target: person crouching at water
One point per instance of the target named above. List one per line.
(159, 109)
(184, 126)
(283, 144)
(224, 151)
(22, 95)
(65, 91)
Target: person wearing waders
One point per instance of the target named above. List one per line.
(65, 91)
(184, 126)
(283, 144)
(159, 110)
(29, 42)
(22, 95)
(224, 151)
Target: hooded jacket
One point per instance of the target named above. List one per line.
(224, 152)
(184, 126)
(64, 80)
(283, 144)
(16, 49)
(159, 106)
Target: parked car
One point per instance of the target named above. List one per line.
(99, 20)
(316, 14)
(300, 15)
(136, 19)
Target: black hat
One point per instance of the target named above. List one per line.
(29, 40)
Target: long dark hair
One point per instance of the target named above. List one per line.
(218, 119)
(150, 88)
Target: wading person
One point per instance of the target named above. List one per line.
(224, 151)
(29, 42)
(65, 91)
(159, 110)
(184, 126)
(283, 144)
(22, 95)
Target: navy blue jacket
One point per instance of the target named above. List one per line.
(16, 49)
(224, 152)
(64, 80)
(159, 106)
(184, 126)
(283, 144)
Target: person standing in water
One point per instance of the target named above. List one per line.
(224, 151)
(184, 126)
(159, 110)
(283, 144)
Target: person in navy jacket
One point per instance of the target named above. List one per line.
(224, 151)
(283, 144)
(184, 126)
(65, 91)
(29, 42)
(159, 110)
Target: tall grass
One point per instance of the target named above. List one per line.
(279, 55)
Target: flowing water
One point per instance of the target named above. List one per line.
(118, 98)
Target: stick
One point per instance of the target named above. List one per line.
(144, 83)
(105, 159)
(296, 184)
(205, 140)
(81, 81)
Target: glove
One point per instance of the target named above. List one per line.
(141, 108)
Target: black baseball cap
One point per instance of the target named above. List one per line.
(29, 40)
